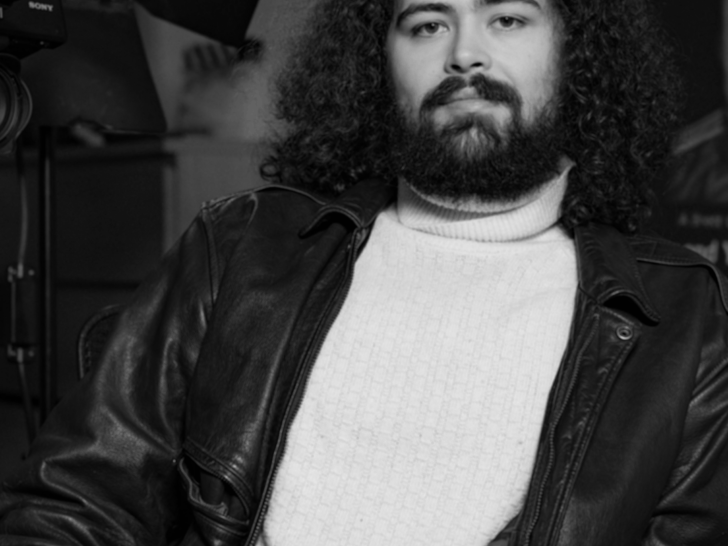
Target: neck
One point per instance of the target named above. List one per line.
(525, 218)
(477, 206)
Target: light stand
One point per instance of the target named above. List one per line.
(47, 265)
(100, 78)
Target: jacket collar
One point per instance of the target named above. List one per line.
(607, 265)
(361, 204)
(608, 268)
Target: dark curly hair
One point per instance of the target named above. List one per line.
(620, 97)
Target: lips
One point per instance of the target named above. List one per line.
(468, 96)
(468, 93)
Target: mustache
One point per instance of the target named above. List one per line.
(486, 88)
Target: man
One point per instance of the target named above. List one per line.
(448, 335)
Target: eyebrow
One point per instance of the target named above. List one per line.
(441, 7)
(412, 9)
(533, 3)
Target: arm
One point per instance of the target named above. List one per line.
(693, 510)
(102, 470)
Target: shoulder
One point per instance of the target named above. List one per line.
(658, 257)
(269, 215)
(265, 209)
(244, 205)
(652, 248)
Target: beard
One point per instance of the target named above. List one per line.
(472, 157)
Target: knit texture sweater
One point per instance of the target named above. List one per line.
(421, 416)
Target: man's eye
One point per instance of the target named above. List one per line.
(508, 23)
(428, 29)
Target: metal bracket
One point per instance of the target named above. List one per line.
(23, 314)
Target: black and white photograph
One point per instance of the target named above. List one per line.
(363, 273)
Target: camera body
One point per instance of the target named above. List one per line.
(29, 25)
(26, 26)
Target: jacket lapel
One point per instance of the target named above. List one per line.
(608, 268)
(611, 310)
(279, 286)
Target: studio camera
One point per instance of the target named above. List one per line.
(25, 27)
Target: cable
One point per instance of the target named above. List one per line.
(21, 273)
(24, 212)
(30, 424)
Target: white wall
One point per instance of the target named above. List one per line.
(235, 108)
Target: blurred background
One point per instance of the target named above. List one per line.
(137, 120)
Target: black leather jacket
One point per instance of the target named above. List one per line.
(176, 435)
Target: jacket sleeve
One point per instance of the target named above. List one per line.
(693, 510)
(103, 468)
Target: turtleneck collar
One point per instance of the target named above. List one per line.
(530, 217)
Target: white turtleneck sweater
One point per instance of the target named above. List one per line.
(421, 417)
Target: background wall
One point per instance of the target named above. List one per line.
(694, 199)
(122, 201)
(237, 100)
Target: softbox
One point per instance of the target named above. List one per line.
(223, 20)
(99, 76)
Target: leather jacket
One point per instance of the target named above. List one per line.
(175, 436)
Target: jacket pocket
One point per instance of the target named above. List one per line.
(220, 517)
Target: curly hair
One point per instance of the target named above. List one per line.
(620, 97)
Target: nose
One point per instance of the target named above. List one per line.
(468, 52)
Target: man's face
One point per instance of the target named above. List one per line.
(435, 48)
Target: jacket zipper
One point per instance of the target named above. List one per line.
(552, 436)
(321, 336)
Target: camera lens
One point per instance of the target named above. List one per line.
(15, 107)
(4, 101)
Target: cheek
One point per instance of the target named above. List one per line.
(539, 84)
(552, 68)
(405, 86)
(408, 76)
